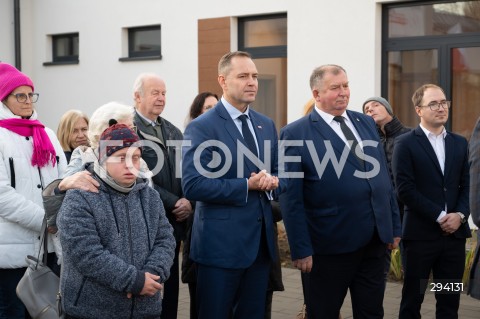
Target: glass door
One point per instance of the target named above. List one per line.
(433, 42)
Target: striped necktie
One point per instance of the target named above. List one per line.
(350, 137)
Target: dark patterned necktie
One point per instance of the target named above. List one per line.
(350, 137)
(247, 135)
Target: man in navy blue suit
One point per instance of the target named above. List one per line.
(431, 171)
(229, 167)
(339, 207)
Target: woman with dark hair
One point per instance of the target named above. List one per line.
(203, 102)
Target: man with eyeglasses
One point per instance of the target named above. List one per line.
(430, 167)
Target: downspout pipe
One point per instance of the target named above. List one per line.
(16, 28)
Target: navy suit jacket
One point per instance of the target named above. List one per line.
(228, 218)
(329, 210)
(424, 189)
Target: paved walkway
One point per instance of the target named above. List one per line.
(286, 304)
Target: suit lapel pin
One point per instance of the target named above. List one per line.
(259, 126)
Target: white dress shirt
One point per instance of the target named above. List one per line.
(235, 114)
(438, 144)
(328, 118)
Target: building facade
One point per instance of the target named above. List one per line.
(82, 54)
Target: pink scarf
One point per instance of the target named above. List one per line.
(43, 150)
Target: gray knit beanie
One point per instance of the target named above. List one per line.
(380, 100)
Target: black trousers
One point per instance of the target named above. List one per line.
(361, 271)
(445, 258)
(171, 290)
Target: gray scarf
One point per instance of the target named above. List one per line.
(104, 176)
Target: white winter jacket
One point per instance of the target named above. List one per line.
(21, 208)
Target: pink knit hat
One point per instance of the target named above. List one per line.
(10, 79)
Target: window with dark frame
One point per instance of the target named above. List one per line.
(432, 42)
(265, 38)
(65, 47)
(144, 42)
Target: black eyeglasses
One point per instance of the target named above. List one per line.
(22, 97)
(435, 106)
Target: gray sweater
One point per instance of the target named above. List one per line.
(110, 239)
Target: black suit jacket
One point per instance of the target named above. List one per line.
(424, 189)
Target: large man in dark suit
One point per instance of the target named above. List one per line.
(339, 207)
(232, 235)
(430, 166)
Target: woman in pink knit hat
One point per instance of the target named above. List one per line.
(30, 158)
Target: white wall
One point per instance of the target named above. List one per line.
(6, 32)
(345, 32)
(333, 32)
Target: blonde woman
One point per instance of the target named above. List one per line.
(122, 114)
(308, 107)
(72, 131)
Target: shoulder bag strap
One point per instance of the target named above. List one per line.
(44, 231)
(12, 172)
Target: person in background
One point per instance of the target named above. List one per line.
(201, 103)
(30, 157)
(163, 141)
(309, 106)
(474, 161)
(338, 221)
(233, 241)
(430, 167)
(118, 244)
(72, 131)
(389, 127)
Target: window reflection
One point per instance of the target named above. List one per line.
(465, 84)
(144, 41)
(434, 19)
(265, 32)
(408, 70)
(271, 98)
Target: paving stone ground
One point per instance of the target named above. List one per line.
(286, 304)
